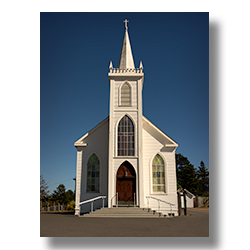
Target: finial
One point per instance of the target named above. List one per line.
(110, 65)
(141, 67)
(126, 21)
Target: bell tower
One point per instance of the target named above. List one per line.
(125, 120)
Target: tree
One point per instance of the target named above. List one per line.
(203, 173)
(70, 196)
(186, 174)
(178, 186)
(60, 195)
(203, 178)
(44, 192)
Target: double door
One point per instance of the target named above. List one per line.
(125, 187)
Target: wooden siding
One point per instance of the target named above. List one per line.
(152, 146)
(118, 92)
(97, 142)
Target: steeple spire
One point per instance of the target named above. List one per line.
(126, 57)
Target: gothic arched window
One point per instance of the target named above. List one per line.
(125, 95)
(125, 140)
(93, 173)
(158, 174)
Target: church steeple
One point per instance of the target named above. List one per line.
(126, 57)
(125, 114)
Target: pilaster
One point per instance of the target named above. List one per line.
(111, 146)
(78, 179)
(140, 144)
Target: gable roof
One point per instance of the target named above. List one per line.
(80, 143)
(173, 144)
(189, 194)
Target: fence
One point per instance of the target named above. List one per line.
(54, 207)
(202, 201)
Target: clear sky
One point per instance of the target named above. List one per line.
(76, 49)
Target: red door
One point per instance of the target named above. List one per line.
(125, 189)
(125, 184)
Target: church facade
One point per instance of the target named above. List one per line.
(126, 158)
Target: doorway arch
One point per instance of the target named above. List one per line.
(126, 184)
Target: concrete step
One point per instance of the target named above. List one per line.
(125, 212)
(123, 216)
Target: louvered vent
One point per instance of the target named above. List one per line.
(125, 95)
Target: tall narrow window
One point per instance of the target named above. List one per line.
(158, 174)
(126, 144)
(125, 95)
(93, 171)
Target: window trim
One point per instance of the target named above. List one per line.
(151, 174)
(120, 94)
(86, 172)
(116, 137)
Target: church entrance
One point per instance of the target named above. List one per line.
(126, 184)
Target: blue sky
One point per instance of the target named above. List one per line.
(76, 49)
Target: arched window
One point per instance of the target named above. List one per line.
(93, 173)
(125, 95)
(158, 174)
(126, 144)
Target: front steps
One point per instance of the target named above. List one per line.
(125, 212)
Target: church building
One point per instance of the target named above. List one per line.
(126, 160)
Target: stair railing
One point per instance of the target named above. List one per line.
(116, 195)
(159, 200)
(92, 201)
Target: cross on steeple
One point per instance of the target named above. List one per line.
(126, 57)
(126, 21)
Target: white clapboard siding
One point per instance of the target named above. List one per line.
(97, 142)
(152, 146)
(125, 95)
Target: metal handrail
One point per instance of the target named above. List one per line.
(92, 201)
(159, 200)
(116, 195)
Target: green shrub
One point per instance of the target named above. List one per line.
(71, 206)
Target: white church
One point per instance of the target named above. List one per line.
(126, 160)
